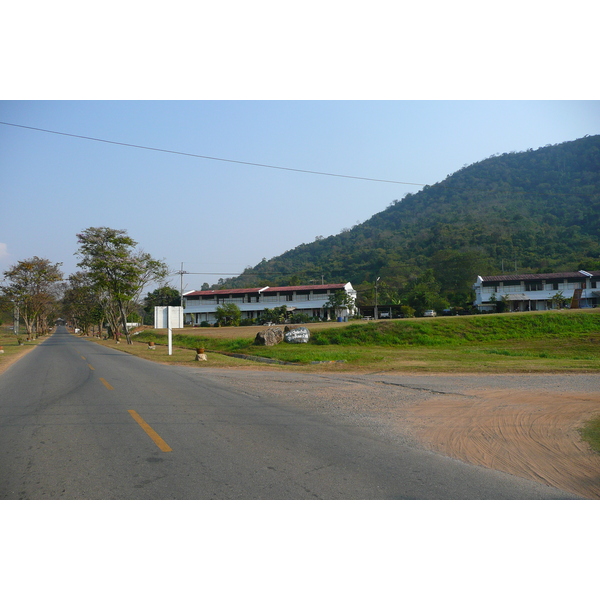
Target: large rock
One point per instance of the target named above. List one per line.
(296, 335)
(269, 337)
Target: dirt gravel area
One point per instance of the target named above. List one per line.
(526, 425)
(530, 435)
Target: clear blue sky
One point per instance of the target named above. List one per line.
(219, 217)
(267, 83)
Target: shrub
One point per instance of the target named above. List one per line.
(407, 311)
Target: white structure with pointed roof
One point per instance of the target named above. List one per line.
(538, 291)
(308, 299)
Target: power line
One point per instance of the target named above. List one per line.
(242, 272)
(239, 162)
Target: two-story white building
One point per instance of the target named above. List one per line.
(307, 299)
(538, 291)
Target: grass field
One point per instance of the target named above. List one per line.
(515, 342)
(11, 347)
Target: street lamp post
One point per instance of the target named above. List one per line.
(375, 314)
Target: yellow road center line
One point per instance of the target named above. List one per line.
(90, 366)
(83, 357)
(153, 435)
(110, 387)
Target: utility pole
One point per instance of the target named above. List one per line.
(375, 314)
(181, 273)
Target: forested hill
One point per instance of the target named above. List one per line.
(538, 210)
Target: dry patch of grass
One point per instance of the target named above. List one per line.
(180, 356)
(12, 350)
(233, 333)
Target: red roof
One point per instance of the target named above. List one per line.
(290, 288)
(226, 292)
(538, 276)
(301, 288)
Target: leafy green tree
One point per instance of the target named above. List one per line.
(407, 311)
(339, 301)
(81, 304)
(33, 287)
(424, 293)
(274, 315)
(162, 296)
(456, 270)
(228, 314)
(117, 272)
(559, 300)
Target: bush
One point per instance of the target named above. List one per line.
(407, 311)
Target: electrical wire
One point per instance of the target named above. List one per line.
(239, 162)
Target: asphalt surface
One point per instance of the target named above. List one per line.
(82, 421)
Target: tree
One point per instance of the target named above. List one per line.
(118, 274)
(559, 300)
(162, 296)
(277, 314)
(81, 303)
(339, 301)
(228, 314)
(424, 293)
(33, 287)
(456, 270)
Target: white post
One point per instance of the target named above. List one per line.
(170, 336)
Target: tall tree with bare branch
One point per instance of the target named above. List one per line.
(119, 274)
(33, 287)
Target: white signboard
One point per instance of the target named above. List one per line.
(168, 317)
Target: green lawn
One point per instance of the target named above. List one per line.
(515, 342)
(11, 347)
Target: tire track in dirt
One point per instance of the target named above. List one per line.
(530, 435)
(519, 426)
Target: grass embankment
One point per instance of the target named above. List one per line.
(12, 350)
(521, 342)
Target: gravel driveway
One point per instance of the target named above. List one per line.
(526, 425)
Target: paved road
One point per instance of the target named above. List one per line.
(82, 421)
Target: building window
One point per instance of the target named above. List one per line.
(534, 286)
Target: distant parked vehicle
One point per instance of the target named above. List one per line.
(430, 313)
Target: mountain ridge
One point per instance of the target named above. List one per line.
(538, 210)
